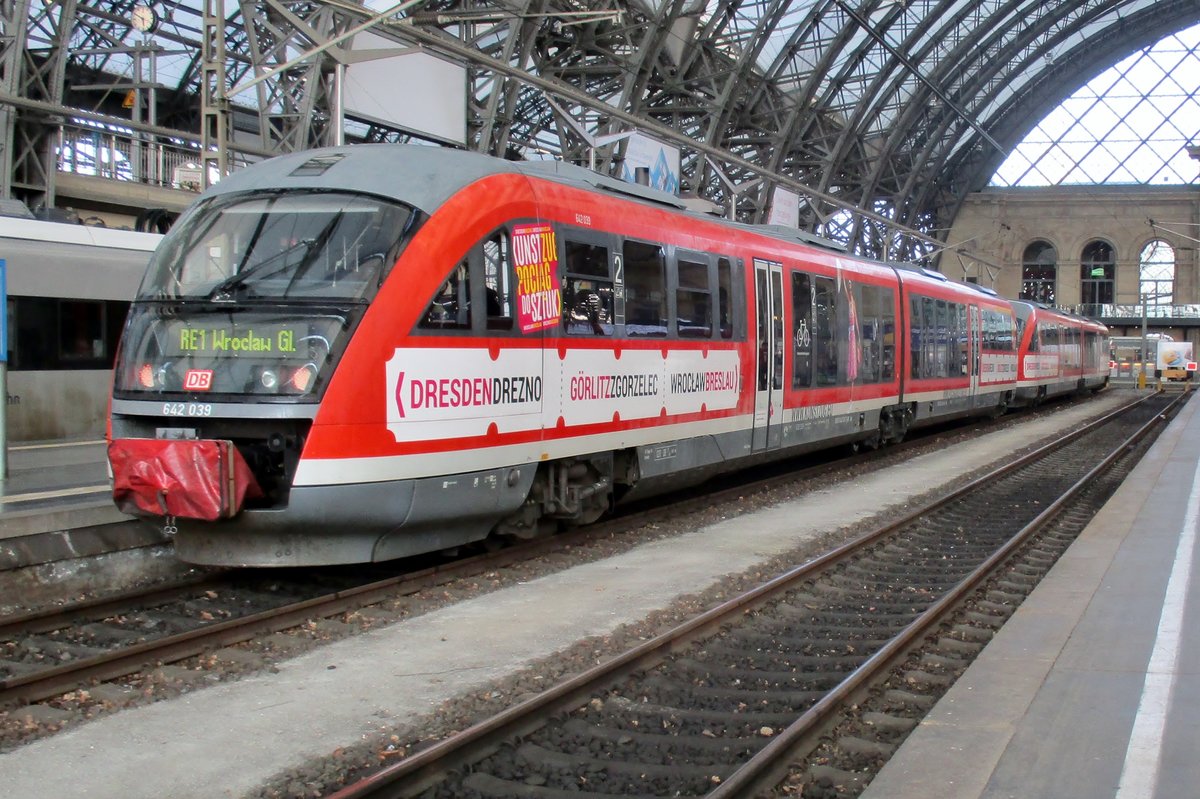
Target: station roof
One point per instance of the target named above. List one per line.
(898, 108)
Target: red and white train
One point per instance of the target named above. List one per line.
(363, 353)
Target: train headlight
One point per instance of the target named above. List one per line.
(145, 376)
(302, 378)
(269, 379)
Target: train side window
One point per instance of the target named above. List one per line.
(587, 290)
(825, 339)
(81, 330)
(941, 355)
(916, 337)
(693, 298)
(450, 308)
(958, 339)
(498, 281)
(46, 333)
(645, 290)
(887, 329)
(482, 280)
(870, 329)
(725, 296)
(802, 321)
(929, 360)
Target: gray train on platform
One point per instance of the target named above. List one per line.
(69, 287)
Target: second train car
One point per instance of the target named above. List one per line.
(364, 353)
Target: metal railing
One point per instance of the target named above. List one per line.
(1134, 312)
(115, 153)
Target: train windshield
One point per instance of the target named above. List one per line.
(285, 245)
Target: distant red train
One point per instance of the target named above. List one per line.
(363, 353)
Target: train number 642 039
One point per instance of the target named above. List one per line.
(187, 409)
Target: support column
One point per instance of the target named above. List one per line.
(214, 103)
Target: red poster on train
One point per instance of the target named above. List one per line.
(539, 294)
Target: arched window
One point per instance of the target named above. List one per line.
(1156, 273)
(1097, 273)
(1039, 272)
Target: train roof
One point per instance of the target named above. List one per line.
(432, 174)
(58, 259)
(437, 173)
(1027, 308)
(66, 233)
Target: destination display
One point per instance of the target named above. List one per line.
(231, 340)
(224, 338)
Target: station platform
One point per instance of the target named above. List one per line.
(1090, 690)
(56, 504)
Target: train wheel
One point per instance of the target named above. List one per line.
(865, 444)
(893, 425)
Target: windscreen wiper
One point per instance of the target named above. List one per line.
(223, 291)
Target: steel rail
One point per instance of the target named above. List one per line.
(770, 764)
(422, 768)
(57, 617)
(47, 683)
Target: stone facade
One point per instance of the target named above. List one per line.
(997, 225)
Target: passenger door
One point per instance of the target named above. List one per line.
(974, 347)
(769, 344)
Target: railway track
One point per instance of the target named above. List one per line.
(755, 692)
(48, 652)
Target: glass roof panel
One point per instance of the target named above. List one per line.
(1139, 112)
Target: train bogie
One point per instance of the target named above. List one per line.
(507, 349)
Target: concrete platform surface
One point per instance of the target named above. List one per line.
(1092, 688)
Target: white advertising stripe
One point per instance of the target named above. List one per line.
(441, 393)
(998, 368)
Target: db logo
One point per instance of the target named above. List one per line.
(197, 380)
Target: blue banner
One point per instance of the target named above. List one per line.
(3, 311)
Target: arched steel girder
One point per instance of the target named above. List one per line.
(295, 105)
(970, 167)
(38, 74)
(742, 87)
(808, 93)
(818, 128)
(931, 139)
(934, 143)
(893, 165)
(496, 96)
(894, 80)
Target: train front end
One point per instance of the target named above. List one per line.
(239, 326)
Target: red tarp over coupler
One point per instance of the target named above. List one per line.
(188, 478)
